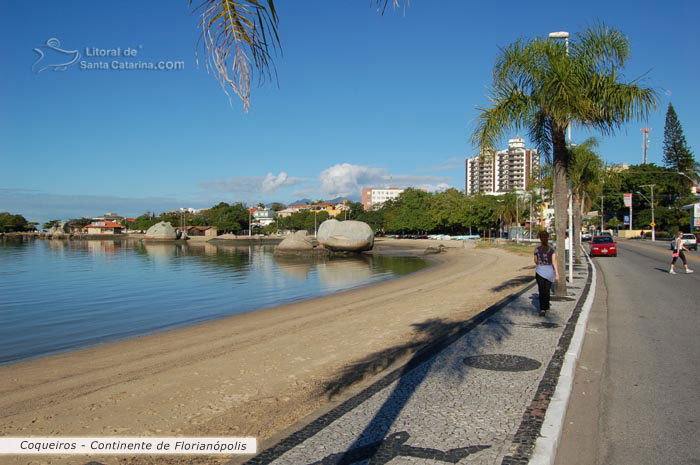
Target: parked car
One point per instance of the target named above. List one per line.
(603, 245)
(586, 236)
(689, 241)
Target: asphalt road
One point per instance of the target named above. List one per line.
(643, 379)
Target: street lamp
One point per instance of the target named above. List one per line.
(695, 183)
(565, 35)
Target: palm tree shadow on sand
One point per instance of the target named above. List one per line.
(374, 445)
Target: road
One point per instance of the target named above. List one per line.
(636, 397)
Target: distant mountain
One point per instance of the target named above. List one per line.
(300, 202)
(351, 198)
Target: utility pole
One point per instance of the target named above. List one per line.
(530, 217)
(602, 214)
(653, 223)
(645, 143)
(571, 232)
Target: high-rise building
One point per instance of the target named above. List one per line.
(504, 171)
(374, 197)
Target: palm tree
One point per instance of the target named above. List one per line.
(541, 85)
(585, 170)
(238, 37)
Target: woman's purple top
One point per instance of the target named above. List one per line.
(544, 266)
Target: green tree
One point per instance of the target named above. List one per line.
(304, 220)
(276, 206)
(82, 222)
(51, 224)
(545, 86)
(14, 223)
(585, 170)
(410, 212)
(613, 223)
(677, 155)
(448, 210)
(143, 222)
(482, 213)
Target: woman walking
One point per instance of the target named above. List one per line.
(545, 270)
(678, 249)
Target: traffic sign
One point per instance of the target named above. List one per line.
(652, 224)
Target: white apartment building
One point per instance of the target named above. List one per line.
(505, 171)
(372, 198)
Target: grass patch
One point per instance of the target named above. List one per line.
(523, 248)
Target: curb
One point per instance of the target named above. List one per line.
(546, 445)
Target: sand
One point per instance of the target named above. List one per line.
(258, 374)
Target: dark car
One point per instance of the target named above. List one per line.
(603, 245)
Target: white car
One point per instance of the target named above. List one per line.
(689, 241)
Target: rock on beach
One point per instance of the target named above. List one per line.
(346, 236)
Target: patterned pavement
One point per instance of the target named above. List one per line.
(476, 397)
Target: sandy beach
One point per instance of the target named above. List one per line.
(254, 374)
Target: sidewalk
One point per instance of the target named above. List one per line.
(479, 396)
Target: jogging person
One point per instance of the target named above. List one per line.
(678, 249)
(545, 270)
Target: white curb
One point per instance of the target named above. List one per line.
(546, 445)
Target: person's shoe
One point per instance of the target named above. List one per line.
(543, 312)
(672, 272)
(688, 270)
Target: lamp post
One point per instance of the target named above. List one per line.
(565, 35)
(695, 183)
(653, 223)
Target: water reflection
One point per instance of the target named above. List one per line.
(59, 295)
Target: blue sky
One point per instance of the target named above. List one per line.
(362, 99)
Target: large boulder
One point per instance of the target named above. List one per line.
(298, 241)
(57, 233)
(161, 231)
(346, 236)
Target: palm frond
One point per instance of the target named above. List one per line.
(616, 103)
(540, 132)
(511, 108)
(600, 47)
(238, 36)
(524, 62)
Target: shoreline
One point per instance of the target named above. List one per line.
(431, 260)
(251, 374)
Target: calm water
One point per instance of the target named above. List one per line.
(61, 295)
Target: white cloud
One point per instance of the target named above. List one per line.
(439, 187)
(346, 179)
(252, 184)
(272, 183)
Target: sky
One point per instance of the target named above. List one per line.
(361, 99)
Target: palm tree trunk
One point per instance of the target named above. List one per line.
(576, 242)
(561, 161)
